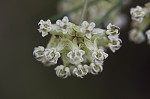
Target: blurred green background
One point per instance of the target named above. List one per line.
(126, 73)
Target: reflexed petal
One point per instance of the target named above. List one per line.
(88, 35)
(85, 24)
(65, 19)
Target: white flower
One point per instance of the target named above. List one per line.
(136, 36)
(39, 52)
(62, 71)
(87, 28)
(114, 44)
(137, 14)
(81, 71)
(112, 30)
(45, 27)
(96, 68)
(99, 54)
(64, 25)
(76, 55)
(148, 35)
(51, 56)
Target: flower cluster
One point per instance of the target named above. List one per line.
(113, 36)
(81, 48)
(47, 56)
(140, 16)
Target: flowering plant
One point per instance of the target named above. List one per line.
(80, 45)
(81, 48)
(140, 22)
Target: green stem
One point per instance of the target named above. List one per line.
(64, 59)
(145, 23)
(105, 17)
(53, 42)
(84, 11)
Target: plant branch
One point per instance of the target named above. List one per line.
(105, 17)
(84, 10)
(55, 17)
